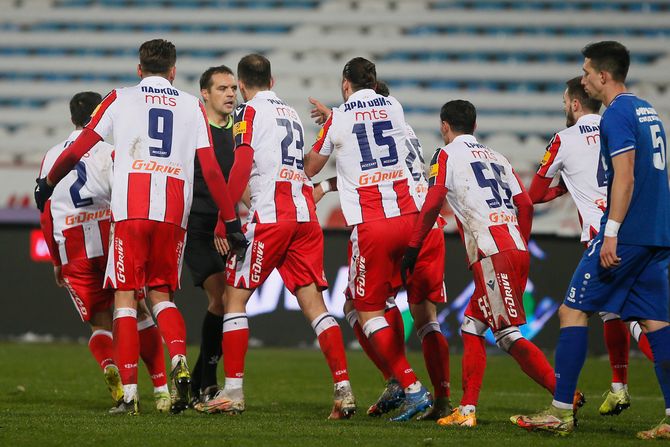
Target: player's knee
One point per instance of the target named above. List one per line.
(348, 306)
(506, 337)
(473, 326)
(432, 326)
(608, 316)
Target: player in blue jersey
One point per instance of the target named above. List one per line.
(625, 268)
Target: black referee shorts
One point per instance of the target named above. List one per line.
(200, 256)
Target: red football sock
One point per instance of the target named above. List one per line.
(384, 341)
(617, 340)
(643, 344)
(473, 365)
(533, 362)
(100, 345)
(235, 342)
(394, 319)
(370, 351)
(332, 346)
(126, 346)
(172, 327)
(436, 355)
(151, 351)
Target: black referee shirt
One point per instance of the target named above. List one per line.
(222, 137)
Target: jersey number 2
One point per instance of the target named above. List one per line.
(75, 189)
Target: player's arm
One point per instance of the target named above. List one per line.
(540, 190)
(524, 209)
(619, 201)
(437, 191)
(321, 189)
(46, 223)
(317, 158)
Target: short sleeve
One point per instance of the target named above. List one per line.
(618, 132)
(552, 162)
(323, 144)
(438, 169)
(243, 127)
(101, 119)
(203, 132)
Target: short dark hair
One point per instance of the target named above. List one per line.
(254, 70)
(461, 115)
(82, 106)
(361, 73)
(609, 56)
(206, 77)
(382, 88)
(157, 56)
(576, 91)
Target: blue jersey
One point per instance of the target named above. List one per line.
(631, 123)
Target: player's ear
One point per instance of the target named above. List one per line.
(272, 82)
(204, 93)
(139, 70)
(172, 74)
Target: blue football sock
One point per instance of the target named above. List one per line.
(660, 346)
(570, 357)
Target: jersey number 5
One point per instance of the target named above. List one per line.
(502, 194)
(659, 145)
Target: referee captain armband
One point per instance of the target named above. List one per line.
(325, 186)
(612, 228)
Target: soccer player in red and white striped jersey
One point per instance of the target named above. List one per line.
(367, 134)
(157, 131)
(283, 231)
(76, 223)
(494, 215)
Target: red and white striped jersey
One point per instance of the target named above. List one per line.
(80, 204)
(280, 190)
(369, 136)
(156, 130)
(481, 185)
(416, 165)
(575, 154)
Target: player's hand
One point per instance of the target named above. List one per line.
(319, 112)
(238, 242)
(43, 192)
(221, 245)
(608, 256)
(408, 262)
(58, 275)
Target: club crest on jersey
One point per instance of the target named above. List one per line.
(239, 128)
(433, 170)
(546, 158)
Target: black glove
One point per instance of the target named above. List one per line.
(42, 193)
(238, 242)
(408, 262)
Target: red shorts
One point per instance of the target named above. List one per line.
(427, 280)
(376, 249)
(84, 279)
(500, 281)
(145, 253)
(295, 249)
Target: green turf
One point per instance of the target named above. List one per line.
(54, 395)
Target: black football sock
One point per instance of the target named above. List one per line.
(210, 348)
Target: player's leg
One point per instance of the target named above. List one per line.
(211, 338)
(329, 335)
(101, 346)
(641, 339)
(436, 357)
(235, 342)
(393, 395)
(126, 349)
(151, 352)
(617, 341)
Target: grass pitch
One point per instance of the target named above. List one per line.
(53, 395)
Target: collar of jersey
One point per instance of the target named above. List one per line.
(265, 94)
(228, 125)
(360, 94)
(155, 80)
(586, 117)
(465, 138)
(619, 96)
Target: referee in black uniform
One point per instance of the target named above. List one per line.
(218, 88)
